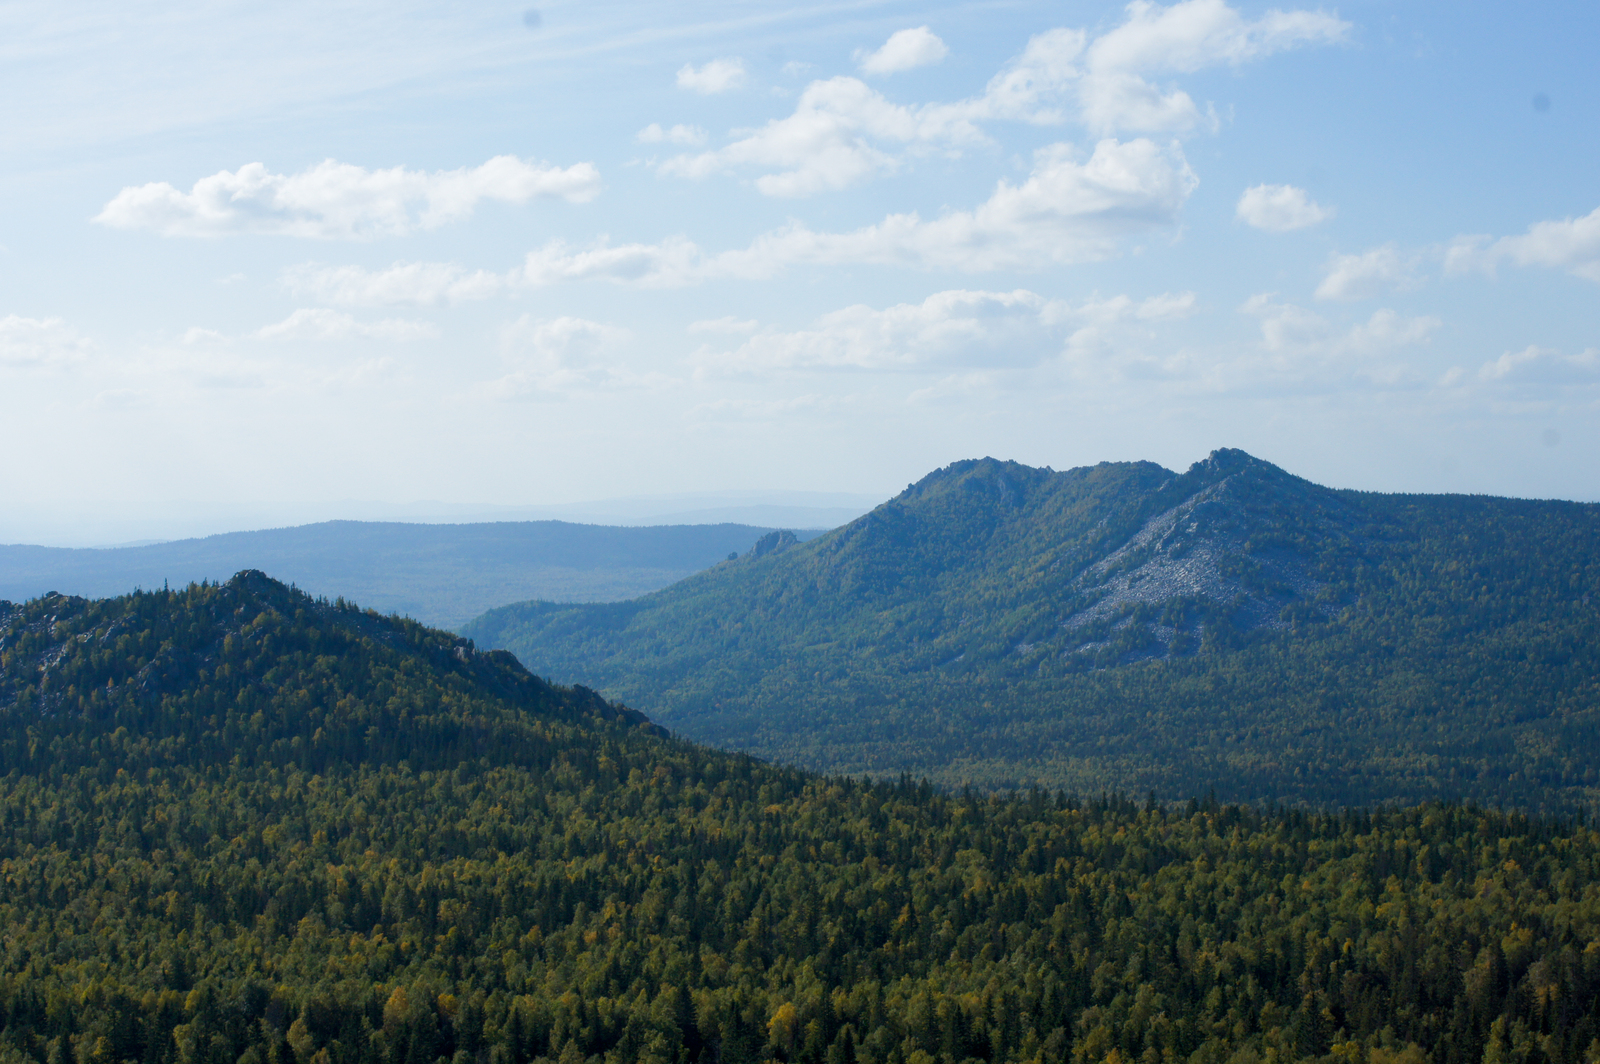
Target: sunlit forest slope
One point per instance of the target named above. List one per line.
(1233, 627)
(241, 826)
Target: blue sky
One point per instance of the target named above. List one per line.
(323, 258)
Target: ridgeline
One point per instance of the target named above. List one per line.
(1232, 628)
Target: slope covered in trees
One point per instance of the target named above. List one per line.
(1124, 626)
(240, 825)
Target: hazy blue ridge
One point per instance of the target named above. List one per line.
(1123, 625)
(441, 574)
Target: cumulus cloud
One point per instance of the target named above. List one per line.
(690, 136)
(1066, 211)
(1572, 244)
(904, 50)
(404, 283)
(843, 131)
(957, 328)
(1369, 274)
(1279, 208)
(553, 356)
(323, 324)
(1542, 366)
(334, 200)
(719, 75)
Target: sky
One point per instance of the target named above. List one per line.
(262, 263)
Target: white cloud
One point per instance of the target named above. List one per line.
(1065, 212)
(404, 283)
(674, 262)
(1182, 39)
(842, 131)
(827, 144)
(957, 328)
(323, 324)
(905, 50)
(1279, 208)
(1197, 34)
(1289, 329)
(560, 355)
(1542, 366)
(1369, 274)
(1572, 244)
(719, 75)
(833, 138)
(335, 200)
(39, 342)
(690, 136)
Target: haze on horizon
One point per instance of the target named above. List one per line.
(271, 259)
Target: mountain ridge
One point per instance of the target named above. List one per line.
(1010, 625)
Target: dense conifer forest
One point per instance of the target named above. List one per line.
(1124, 626)
(242, 826)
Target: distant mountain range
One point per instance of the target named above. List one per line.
(1123, 626)
(138, 523)
(442, 575)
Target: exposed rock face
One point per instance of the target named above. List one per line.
(1243, 547)
(773, 542)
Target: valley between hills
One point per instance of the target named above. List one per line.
(1105, 766)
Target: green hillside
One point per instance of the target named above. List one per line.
(242, 826)
(1233, 627)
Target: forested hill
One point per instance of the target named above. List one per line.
(1122, 625)
(240, 826)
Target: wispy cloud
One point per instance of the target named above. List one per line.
(40, 342)
(1535, 365)
(690, 136)
(334, 200)
(956, 328)
(1370, 274)
(1293, 330)
(551, 357)
(404, 283)
(324, 324)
